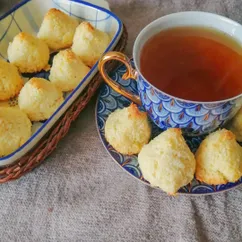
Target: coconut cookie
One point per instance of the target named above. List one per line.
(57, 29)
(15, 129)
(10, 80)
(128, 130)
(89, 43)
(235, 125)
(219, 158)
(67, 70)
(39, 99)
(167, 161)
(28, 53)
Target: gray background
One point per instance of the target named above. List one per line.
(80, 194)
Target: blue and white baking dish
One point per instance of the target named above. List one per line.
(27, 16)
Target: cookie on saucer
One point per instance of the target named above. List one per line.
(128, 130)
(235, 125)
(167, 161)
(219, 158)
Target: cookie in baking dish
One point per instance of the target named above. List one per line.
(67, 70)
(89, 43)
(10, 80)
(57, 29)
(15, 129)
(28, 53)
(39, 99)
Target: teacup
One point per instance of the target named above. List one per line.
(194, 118)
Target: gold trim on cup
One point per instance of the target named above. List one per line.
(130, 73)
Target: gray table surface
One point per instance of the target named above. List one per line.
(80, 194)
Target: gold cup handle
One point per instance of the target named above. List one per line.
(130, 73)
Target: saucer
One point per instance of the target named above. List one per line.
(108, 101)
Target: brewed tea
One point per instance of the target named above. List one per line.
(193, 63)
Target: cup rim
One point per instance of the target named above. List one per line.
(219, 17)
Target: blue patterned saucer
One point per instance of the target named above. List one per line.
(108, 101)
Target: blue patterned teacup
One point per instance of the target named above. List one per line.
(194, 118)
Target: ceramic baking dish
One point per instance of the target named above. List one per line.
(27, 16)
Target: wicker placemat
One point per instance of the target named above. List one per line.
(49, 142)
